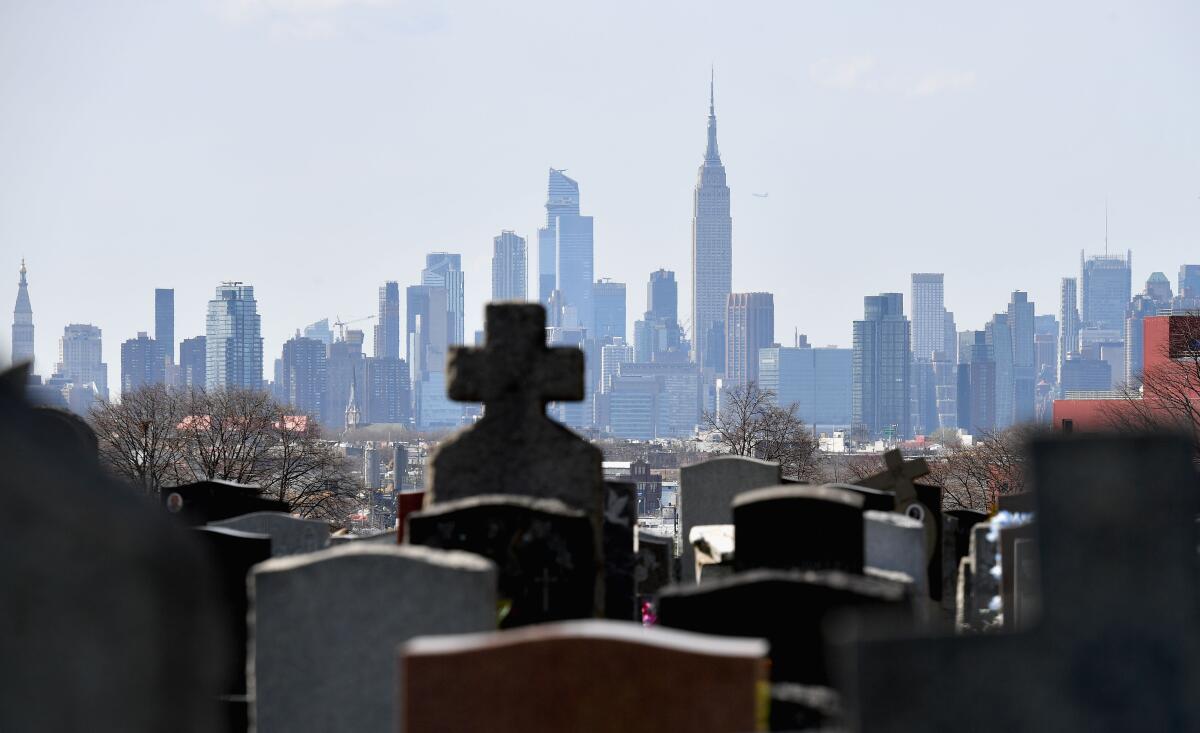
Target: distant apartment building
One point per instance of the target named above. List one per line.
(300, 376)
(608, 309)
(880, 398)
(143, 363)
(750, 326)
(81, 357)
(444, 270)
(233, 341)
(510, 267)
(193, 362)
(819, 381)
(164, 322)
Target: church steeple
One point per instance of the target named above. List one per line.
(352, 406)
(711, 154)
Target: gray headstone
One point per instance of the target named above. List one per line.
(706, 493)
(108, 611)
(1009, 536)
(985, 580)
(897, 542)
(385, 538)
(1116, 647)
(289, 535)
(324, 628)
(712, 546)
(1026, 585)
(655, 561)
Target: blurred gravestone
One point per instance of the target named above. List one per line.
(542, 547)
(583, 677)
(212, 501)
(707, 490)
(956, 542)
(1116, 646)
(233, 553)
(896, 542)
(289, 535)
(655, 559)
(800, 527)
(108, 613)
(324, 629)
(620, 526)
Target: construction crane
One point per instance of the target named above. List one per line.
(341, 325)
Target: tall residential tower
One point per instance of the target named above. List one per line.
(233, 342)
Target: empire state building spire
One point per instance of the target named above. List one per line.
(22, 327)
(711, 153)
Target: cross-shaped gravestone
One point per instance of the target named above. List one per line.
(1116, 646)
(898, 478)
(515, 448)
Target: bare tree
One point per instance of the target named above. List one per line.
(137, 436)
(751, 424)
(307, 473)
(226, 434)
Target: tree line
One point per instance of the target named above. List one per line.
(157, 436)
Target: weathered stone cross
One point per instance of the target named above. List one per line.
(515, 372)
(515, 448)
(1118, 644)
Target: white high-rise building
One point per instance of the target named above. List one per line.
(928, 315)
(712, 252)
(612, 356)
(233, 339)
(81, 357)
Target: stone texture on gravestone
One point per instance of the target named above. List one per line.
(985, 585)
(108, 613)
(956, 543)
(542, 547)
(966, 618)
(583, 677)
(1009, 536)
(202, 502)
(620, 526)
(706, 493)
(787, 607)
(1116, 647)
(1026, 585)
(896, 542)
(234, 553)
(325, 626)
(289, 535)
(799, 527)
(515, 448)
(655, 560)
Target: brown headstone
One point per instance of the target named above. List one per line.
(584, 676)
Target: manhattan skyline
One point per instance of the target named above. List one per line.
(878, 160)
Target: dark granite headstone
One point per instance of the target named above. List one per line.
(1117, 646)
(1026, 584)
(655, 564)
(1019, 502)
(620, 525)
(108, 620)
(874, 500)
(233, 553)
(1009, 536)
(542, 548)
(212, 501)
(787, 608)
(956, 542)
(800, 527)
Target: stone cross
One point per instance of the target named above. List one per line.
(898, 478)
(515, 448)
(1116, 645)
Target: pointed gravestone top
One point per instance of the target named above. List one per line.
(515, 448)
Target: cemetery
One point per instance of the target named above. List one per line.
(521, 595)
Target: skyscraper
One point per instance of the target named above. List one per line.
(444, 270)
(387, 328)
(1024, 361)
(1068, 323)
(22, 326)
(608, 303)
(300, 376)
(509, 267)
(427, 334)
(928, 315)
(164, 322)
(750, 326)
(233, 341)
(712, 248)
(662, 296)
(562, 199)
(1105, 287)
(657, 335)
(1189, 281)
(81, 357)
(881, 400)
(573, 249)
(816, 380)
(1000, 338)
(193, 362)
(142, 363)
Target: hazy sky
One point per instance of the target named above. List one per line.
(315, 148)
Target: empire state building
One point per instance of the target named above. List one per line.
(712, 253)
